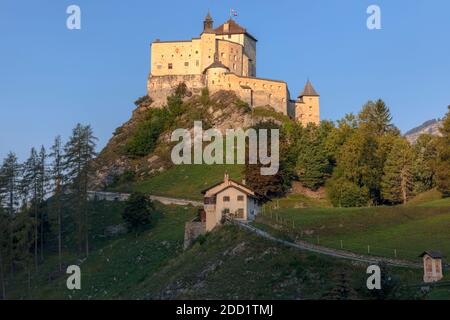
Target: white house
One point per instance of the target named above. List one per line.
(230, 199)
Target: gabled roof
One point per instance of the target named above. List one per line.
(223, 185)
(233, 28)
(309, 90)
(216, 64)
(433, 254)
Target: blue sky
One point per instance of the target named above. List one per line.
(51, 77)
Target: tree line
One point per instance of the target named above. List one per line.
(32, 196)
(362, 159)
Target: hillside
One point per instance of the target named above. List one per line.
(226, 264)
(428, 127)
(117, 166)
(394, 232)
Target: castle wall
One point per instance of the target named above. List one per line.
(249, 53)
(255, 91)
(230, 54)
(176, 58)
(307, 110)
(159, 87)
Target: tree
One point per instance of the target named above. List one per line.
(31, 183)
(23, 240)
(270, 185)
(424, 163)
(5, 249)
(138, 211)
(57, 177)
(344, 193)
(376, 118)
(313, 165)
(9, 191)
(443, 163)
(79, 153)
(397, 183)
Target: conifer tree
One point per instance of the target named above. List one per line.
(79, 153)
(57, 177)
(31, 180)
(397, 183)
(5, 250)
(443, 165)
(425, 161)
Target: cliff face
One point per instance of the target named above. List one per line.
(222, 110)
(428, 127)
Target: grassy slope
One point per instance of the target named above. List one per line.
(233, 264)
(116, 264)
(409, 230)
(187, 181)
(230, 263)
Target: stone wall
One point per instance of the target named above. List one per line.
(160, 87)
(192, 230)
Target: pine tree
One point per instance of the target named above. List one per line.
(57, 177)
(443, 163)
(376, 118)
(397, 183)
(79, 153)
(5, 250)
(42, 179)
(313, 165)
(9, 192)
(425, 160)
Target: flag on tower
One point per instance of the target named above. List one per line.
(233, 13)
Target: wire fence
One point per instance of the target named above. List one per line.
(291, 229)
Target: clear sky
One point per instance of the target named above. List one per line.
(51, 77)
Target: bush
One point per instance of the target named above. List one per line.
(138, 211)
(344, 193)
(144, 101)
(147, 133)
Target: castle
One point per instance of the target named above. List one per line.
(224, 58)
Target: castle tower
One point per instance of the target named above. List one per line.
(307, 106)
(208, 23)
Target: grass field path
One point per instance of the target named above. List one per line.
(302, 245)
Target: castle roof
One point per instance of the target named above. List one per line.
(233, 28)
(309, 90)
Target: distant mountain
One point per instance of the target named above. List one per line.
(428, 127)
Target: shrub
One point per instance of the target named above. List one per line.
(138, 211)
(144, 101)
(344, 193)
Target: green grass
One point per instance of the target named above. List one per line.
(187, 181)
(424, 197)
(116, 264)
(233, 264)
(300, 201)
(389, 231)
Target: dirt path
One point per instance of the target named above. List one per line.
(302, 245)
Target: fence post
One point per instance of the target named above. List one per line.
(342, 245)
(395, 253)
(368, 249)
(318, 239)
(293, 225)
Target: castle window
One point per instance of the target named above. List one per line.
(186, 64)
(235, 57)
(310, 107)
(170, 66)
(197, 63)
(222, 55)
(196, 51)
(234, 66)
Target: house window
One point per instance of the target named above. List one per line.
(226, 211)
(240, 213)
(186, 64)
(240, 198)
(170, 66)
(226, 199)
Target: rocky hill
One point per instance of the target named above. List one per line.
(125, 157)
(428, 127)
